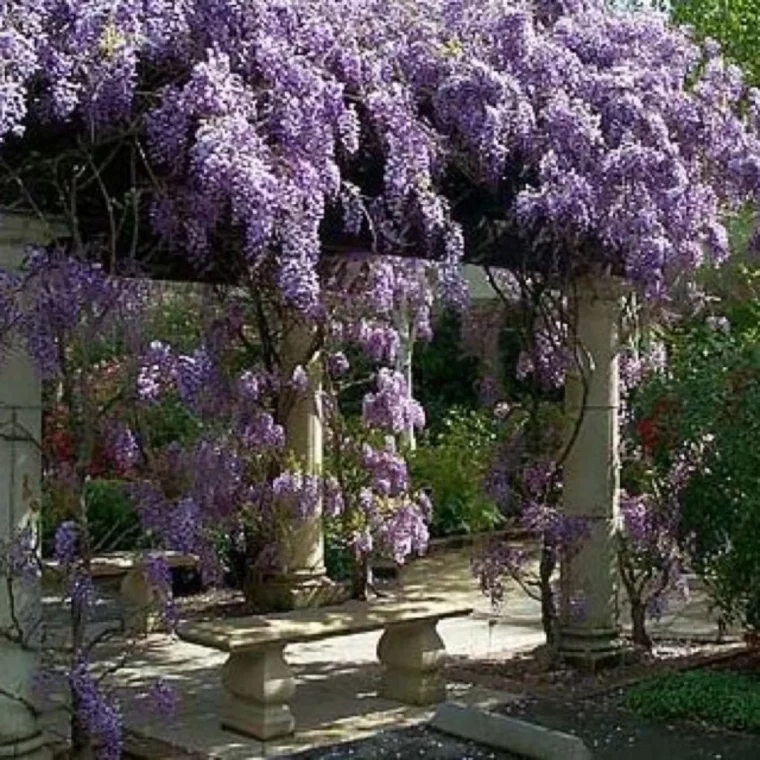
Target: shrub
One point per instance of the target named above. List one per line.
(453, 467)
(444, 376)
(712, 388)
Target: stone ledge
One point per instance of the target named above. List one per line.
(502, 732)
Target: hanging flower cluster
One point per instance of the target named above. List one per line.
(605, 138)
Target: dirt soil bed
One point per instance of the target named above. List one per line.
(746, 661)
(532, 673)
(589, 705)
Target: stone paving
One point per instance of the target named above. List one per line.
(337, 700)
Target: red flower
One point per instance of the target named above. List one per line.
(652, 430)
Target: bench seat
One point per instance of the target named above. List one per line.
(259, 685)
(137, 597)
(119, 564)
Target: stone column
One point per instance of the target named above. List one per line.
(304, 581)
(405, 327)
(589, 624)
(20, 474)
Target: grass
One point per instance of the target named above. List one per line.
(727, 700)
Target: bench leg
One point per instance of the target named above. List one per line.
(259, 685)
(412, 655)
(138, 604)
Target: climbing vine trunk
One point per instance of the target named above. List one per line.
(638, 624)
(547, 566)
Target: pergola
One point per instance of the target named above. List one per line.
(590, 485)
(479, 204)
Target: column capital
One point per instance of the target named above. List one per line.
(600, 287)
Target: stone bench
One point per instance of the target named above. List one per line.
(138, 600)
(259, 685)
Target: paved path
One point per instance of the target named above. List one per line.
(337, 678)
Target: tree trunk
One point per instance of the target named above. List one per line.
(547, 566)
(638, 620)
(360, 579)
(81, 739)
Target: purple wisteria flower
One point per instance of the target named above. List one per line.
(164, 699)
(124, 446)
(388, 471)
(391, 408)
(262, 432)
(405, 533)
(337, 364)
(157, 371)
(548, 359)
(634, 149)
(159, 577)
(99, 712)
(297, 491)
(66, 542)
(380, 342)
(500, 561)
(299, 380)
(334, 503)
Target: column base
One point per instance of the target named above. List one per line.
(591, 649)
(296, 593)
(31, 748)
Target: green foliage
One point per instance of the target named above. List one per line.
(728, 700)
(176, 317)
(444, 376)
(710, 396)
(734, 24)
(168, 421)
(113, 522)
(452, 467)
(339, 561)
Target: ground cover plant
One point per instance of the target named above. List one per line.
(724, 699)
